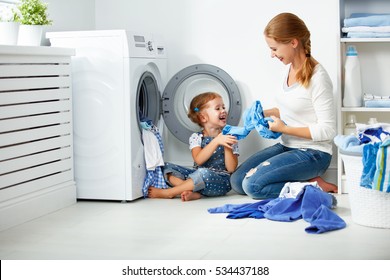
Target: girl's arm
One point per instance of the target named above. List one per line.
(200, 155)
(231, 160)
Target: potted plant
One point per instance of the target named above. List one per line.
(9, 27)
(32, 16)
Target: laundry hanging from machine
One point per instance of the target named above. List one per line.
(153, 151)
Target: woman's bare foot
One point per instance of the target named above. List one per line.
(159, 193)
(325, 186)
(190, 195)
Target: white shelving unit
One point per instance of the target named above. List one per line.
(374, 56)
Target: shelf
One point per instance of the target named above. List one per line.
(364, 109)
(365, 40)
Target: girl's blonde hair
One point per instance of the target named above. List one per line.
(285, 27)
(198, 103)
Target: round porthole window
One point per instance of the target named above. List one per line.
(190, 82)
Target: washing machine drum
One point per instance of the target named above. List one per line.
(188, 83)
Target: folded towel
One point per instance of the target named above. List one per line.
(368, 34)
(375, 97)
(348, 145)
(377, 103)
(366, 29)
(367, 20)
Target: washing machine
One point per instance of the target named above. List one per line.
(120, 78)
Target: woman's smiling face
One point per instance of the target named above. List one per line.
(282, 51)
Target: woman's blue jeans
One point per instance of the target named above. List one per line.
(264, 174)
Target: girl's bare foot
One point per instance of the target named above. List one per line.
(190, 195)
(159, 193)
(325, 186)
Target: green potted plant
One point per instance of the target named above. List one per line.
(9, 27)
(32, 15)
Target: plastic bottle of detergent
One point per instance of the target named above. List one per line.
(353, 93)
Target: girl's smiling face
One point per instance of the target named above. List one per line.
(216, 112)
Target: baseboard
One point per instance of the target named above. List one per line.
(24, 208)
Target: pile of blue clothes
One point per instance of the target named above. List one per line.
(367, 25)
(311, 204)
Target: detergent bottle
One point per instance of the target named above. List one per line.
(353, 93)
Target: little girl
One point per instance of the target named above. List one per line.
(215, 155)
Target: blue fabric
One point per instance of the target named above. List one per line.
(374, 134)
(251, 210)
(381, 103)
(370, 152)
(349, 145)
(227, 208)
(324, 220)
(367, 20)
(253, 119)
(154, 178)
(312, 204)
(382, 172)
(239, 132)
(312, 199)
(354, 34)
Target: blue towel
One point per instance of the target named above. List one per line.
(382, 172)
(369, 157)
(253, 119)
(309, 205)
(356, 34)
(324, 220)
(349, 145)
(313, 198)
(367, 20)
(381, 103)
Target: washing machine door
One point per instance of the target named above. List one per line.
(190, 82)
(148, 98)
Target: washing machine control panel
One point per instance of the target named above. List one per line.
(146, 46)
(150, 46)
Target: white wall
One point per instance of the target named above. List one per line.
(70, 15)
(226, 33)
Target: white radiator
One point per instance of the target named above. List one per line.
(36, 150)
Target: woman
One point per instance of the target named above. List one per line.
(305, 116)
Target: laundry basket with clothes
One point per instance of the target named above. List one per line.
(366, 159)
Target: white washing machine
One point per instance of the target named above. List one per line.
(118, 78)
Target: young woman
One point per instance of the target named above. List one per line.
(304, 115)
(215, 155)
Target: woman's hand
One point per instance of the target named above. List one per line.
(276, 125)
